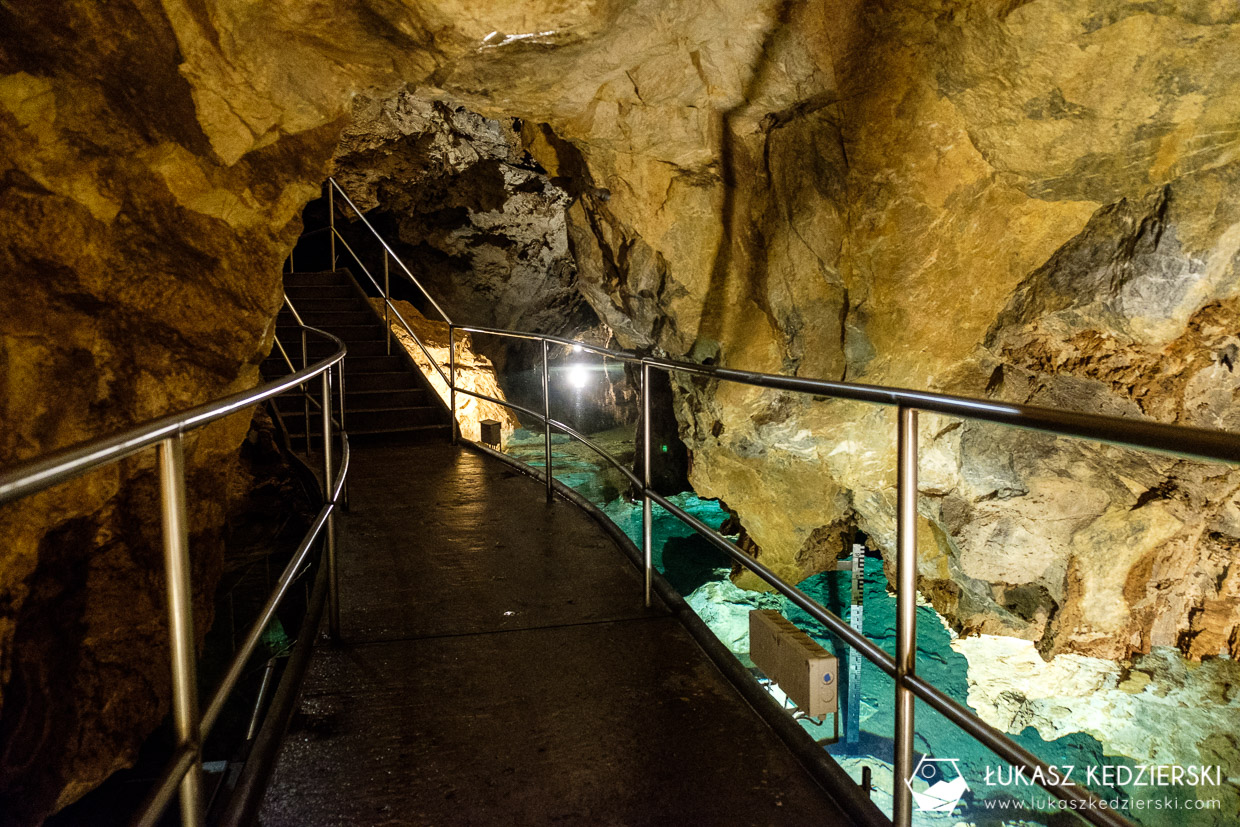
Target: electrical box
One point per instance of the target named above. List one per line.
(490, 429)
(807, 673)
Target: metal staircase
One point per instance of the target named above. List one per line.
(385, 395)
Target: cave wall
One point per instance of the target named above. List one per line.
(1004, 242)
(1069, 213)
(1026, 201)
(155, 160)
(141, 277)
(1023, 199)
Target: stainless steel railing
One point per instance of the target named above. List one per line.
(1186, 442)
(167, 434)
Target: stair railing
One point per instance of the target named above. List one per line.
(1192, 443)
(308, 397)
(390, 310)
(167, 435)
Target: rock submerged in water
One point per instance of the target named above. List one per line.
(725, 609)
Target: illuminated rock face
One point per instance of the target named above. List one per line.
(1029, 200)
(474, 372)
(1159, 711)
(1035, 209)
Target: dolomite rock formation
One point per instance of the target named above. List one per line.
(1028, 203)
(1036, 211)
(1031, 200)
(141, 277)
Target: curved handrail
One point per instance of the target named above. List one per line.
(391, 252)
(619, 355)
(392, 307)
(35, 475)
(1197, 443)
(183, 760)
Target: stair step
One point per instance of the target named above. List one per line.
(316, 279)
(319, 349)
(384, 395)
(329, 319)
(395, 380)
(381, 419)
(374, 364)
(299, 293)
(310, 305)
(416, 435)
(367, 400)
(349, 333)
(393, 398)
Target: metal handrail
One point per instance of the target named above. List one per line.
(307, 397)
(389, 306)
(35, 475)
(332, 184)
(1179, 440)
(618, 355)
(168, 433)
(1196, 443)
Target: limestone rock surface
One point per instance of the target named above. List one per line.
(1012, 687)
(1029, 204)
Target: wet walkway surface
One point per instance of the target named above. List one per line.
(497, 667)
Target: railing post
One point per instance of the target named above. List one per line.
(171, 461)
(331, 221)
(333, 594)
(292, 267)
(343, 428)
(906, 610)
(340, 394)
(387, 298)
(546, 383)
(305, 388)
(452, 378)
(647, 546)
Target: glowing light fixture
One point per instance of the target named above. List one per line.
(578, 376)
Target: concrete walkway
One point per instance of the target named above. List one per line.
(498, 668)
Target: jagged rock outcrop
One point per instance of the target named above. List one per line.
(1025, 199)
(1038, 219)
(132, 260)
(474, 215)
(1012, 688)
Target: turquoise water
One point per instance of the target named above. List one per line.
(700, 573)
(938, 663)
